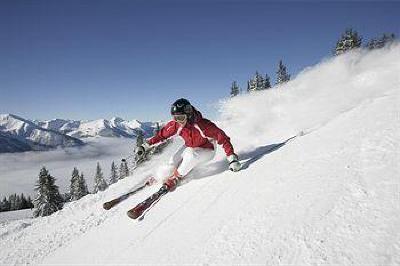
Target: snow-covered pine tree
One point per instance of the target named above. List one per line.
(349, 40)
(4, 205)
(113, 174)
(24, 202)
(11, 200)
(126, 168)
(83, 189)
(252, 87)
(48, 199)
(7, 204)
(74, 187)
(267, 82)
(256, 83)
(235, 90)
(387, 39)
(99, 183)
(259, 82)
(382, 42)
(282, 75)
(78, 186)
(123, 169)
(30, 203)
(18, 202)
(372, 44)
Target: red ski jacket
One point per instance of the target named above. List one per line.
(197, 132)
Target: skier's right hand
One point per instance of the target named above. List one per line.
(140, 151)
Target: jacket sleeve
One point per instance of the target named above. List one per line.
(214, 132)
(165, 132)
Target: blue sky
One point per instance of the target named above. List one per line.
(99, 59)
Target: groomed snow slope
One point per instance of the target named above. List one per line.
(329, 196)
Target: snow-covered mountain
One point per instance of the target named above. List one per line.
(329, 196)
(116, 127)
(18, 134)
(61, 125)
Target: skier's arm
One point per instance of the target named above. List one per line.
(165, 132)
(211, 130)
(214, 132)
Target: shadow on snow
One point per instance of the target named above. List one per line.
(247, 158)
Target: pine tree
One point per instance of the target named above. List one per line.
(18, 203)
(48, 199)
(235, 90)
(11, 200)
(113, 175)
(251, 85)
(83, 189)
(78, 186)
(349, 40)
(267, 82)
(123, 169)
(387, 39)
(4, 205)
(7, 204)
(259, 80)
(99, 183)
(282, 75)
(24, 202)
(256, 83)
(30, 203)
(382, 42)
(74, 187)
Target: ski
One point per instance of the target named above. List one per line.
(109, 204)
(139, 210)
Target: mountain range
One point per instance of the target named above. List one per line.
(18, 134)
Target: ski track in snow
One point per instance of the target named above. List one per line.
(328, 197)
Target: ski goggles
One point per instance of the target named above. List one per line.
(180, 118)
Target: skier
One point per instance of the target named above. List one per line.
(199, 135)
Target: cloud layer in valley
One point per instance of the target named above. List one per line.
(19, 171)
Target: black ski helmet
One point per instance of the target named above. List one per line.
(181, 107)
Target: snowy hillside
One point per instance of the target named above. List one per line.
(116, 127)
(18, 134)
(329, 196)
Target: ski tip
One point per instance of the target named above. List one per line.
(132, 214)
(107, 205)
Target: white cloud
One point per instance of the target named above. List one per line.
(19, 171)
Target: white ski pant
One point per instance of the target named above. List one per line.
(186, 158)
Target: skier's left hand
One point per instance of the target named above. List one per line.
(234, 164)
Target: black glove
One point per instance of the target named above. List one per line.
(140, 151)
(234, 164)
